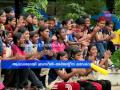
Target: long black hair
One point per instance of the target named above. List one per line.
(1, 11)
(60, 54)
(17, 37)
(89, 48)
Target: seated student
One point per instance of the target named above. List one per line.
(92, 55)
(28, 43)
(9, 11)
(59, 45)
(20, 23)
(43, 47)
(110, 35)
(19, 78)
(11, 23)
(58, 75)
(100, 40)
(78, 55)
(34, 36)
(7, 50)
(35, 22)
(67, 25)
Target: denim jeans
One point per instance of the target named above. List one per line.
(101, 46)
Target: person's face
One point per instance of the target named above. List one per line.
(35, 38)
(12, 13)
(51, 24)
(78, 33)
(9, 38)
(45, 34)
(65, 57)
(29, 19)
(41, 23)
(69, 25)
(80, 27)
(87, 22)
(26, 35)
(46, 24)
(3, 18)
(63, 34)
(109, 27)
(94, 51)
(21, 21)
(101, 24)
(34, 20)
(21, 41)
(13, 22)
(79, 56)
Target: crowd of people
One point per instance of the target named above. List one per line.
(30, 38)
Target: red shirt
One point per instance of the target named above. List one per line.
(17, 50)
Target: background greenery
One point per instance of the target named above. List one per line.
(35, 5)
(66, 8)
(116, 58)
(117, 8)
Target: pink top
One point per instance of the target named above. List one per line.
(58, 47)
(1, 86)
(17, 50)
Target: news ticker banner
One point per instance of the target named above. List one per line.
(21, 64)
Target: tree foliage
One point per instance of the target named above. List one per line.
(35, 5)
(94, 7)
(116, 58)
(75, 10)
(117, 8)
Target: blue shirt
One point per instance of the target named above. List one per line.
(41, 46)
(70, 37)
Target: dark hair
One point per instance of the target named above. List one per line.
(8, 9)
(1, 11)
(25, 15)
(69, 50)
(58, 31)
(9, 18)
(75, 51)
(90, 46)
(32, 34)
(64, 22)
(61, 54)
(42, 28)
(16, 37)
(22, 30)
(80, 21)
(109, 23)
(7, 33)
(51, 18)
(85, 17)
(32, 15)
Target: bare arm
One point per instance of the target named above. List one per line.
(65, 75)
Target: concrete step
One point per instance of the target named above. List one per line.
(114, 77)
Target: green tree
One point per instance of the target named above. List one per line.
(69, 8)
(116, 58)
(117, 8)
(75, 10)
(35, 5)
(94, 7)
